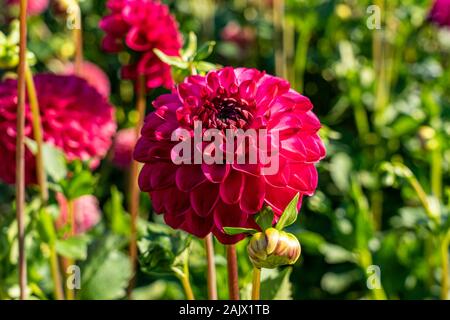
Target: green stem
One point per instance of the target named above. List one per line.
(365, 260)
(415, 184)
(278, 23)
(183, 276)
(211, 272)
(256, 284)
(70, 294)
(444, 266)
(20, 151)
(37, 133)
(232, 267)
(133, 183)
(56, 275)
(78, 41)
(301, 57)
(436, 173)
(41, 175)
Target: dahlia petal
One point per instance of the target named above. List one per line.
(112, 44)
(303, 178)
(245, 74)
(212, 79)
(158, 200)
(253, 169)
(216, 173)
(189, 177)
(197, 225)
(114, 25)
(227, 77)
(281, 178)
(204, 198)
(176, 201)
(279, 198)
(136, 40)
(162, 175)
(232, 188)
(144, 179)
(256, 187)
(247, 90)
(174, 220)
(226, 215)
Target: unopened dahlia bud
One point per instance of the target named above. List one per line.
(273, 248)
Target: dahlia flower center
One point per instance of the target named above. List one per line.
(227, 113)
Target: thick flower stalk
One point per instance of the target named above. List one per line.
(142, 26)
(273, 248)
(75, 118)
(206, 197)
(440, 13)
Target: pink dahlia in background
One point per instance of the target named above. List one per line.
(123, 147)
(85, 209)
(93, 74)
(75, 118)
(440, 13)
(204, 198)
(34, 8)
(142, 26)
(243, 37)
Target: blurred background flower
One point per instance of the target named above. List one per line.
(142, 25)
(75, 118)
(86, 213)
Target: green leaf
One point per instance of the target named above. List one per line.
(289, 214)
(73, 247)
(118, 218)
(340, 168)
(205, 51)
(45, 226)
(171, 61)
(81, 184)
(336, 254)
(275, 284)
(204, 66)
(234, 231)
(265, 218)
(54, 162)
(191, 48)
(162, 249)
(336, 283)
(106, 273)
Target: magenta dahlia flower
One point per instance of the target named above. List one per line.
(142, 25)
(34, 7)
(93, 74)
(440, 13)
(85, 209)
(123, 147)
(205, 197)
(75, 118)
